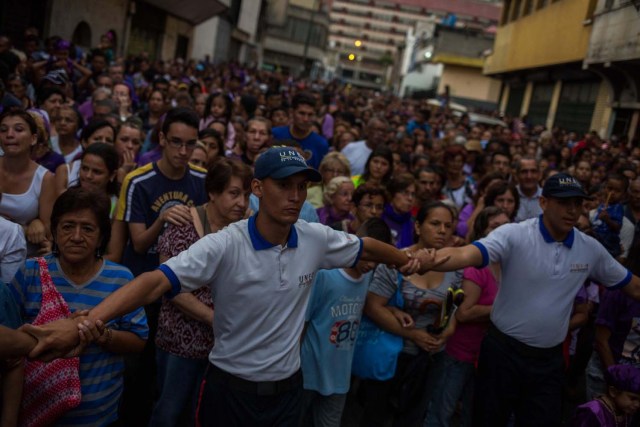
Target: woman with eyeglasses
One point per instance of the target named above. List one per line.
(407, 395)
(185, 334)
(368, 203)
(332, 165)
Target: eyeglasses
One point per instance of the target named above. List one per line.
(178, 143)
(410, 194)
(372, 206)
(335, 171)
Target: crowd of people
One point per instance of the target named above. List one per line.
(218, 233)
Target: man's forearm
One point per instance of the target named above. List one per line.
(459, 257)
(142, 290)
(143, 240)
(15, 343)
(377, 251)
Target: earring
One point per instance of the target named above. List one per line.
(99, 253)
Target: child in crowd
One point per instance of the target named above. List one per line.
(607, 218)
(618, 405)
(219, 108)
(333, 317)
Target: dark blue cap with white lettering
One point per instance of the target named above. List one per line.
(282, 162)
(562, 185)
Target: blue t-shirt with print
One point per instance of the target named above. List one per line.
(333, 316)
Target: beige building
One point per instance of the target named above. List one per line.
(365, 35)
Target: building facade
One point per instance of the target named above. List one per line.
(365, 35)
(163, 29)
(614, 54)
(539, 55)
(293, 37)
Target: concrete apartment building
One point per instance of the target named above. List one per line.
(365, 34)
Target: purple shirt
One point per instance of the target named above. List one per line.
(621, 314)
(462, 229)
(51, 161)
(328, 216)
(150, 156)
(594, 414)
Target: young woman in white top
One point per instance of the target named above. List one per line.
(95, 131)
(29, 189)
(67, 125)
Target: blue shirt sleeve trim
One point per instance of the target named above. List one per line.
(173, 279)
(624, 282)
(359, 253)
(484, 252)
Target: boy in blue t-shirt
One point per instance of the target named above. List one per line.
(333, 316)
(608, 218)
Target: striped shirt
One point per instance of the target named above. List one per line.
(100, 371)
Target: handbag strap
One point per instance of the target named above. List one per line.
(397, 300)
(49, 292)
(399, 291)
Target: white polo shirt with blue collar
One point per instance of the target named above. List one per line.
(541, 277)
(260, 291)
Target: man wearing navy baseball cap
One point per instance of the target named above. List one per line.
(544, 262)
(260, 272)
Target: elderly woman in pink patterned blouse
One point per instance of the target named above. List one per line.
(185, 334)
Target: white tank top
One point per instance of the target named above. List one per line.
(73, 173)
(68, 158)
(23, 208)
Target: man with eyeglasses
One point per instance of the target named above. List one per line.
(153, 196)
(358, 152)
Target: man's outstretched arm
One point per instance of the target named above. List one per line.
(461, 257)
(59, 338)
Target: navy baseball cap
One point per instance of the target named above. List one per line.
(282, 162)
(562, 186)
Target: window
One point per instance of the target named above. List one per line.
(516, 5)
(528, 7)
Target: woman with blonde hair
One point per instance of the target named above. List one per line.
(338, 203)
(332, 165)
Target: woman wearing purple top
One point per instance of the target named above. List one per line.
(338, 201)
(616, 340)
(397, 213)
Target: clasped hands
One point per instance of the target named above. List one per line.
(65, 337)
(422, 260)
